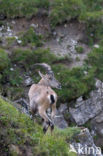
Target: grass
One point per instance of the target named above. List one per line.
(18, 130)
(93, 21)
(21, 8)
(65, 10)
(95, 60)
(30, 37)
(4, 60)
(79, 49)
(10, 41)
(74, 82)
(58, 12)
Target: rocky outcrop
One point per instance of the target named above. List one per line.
(59, 120)
(97, 127)
(91, 110)
(88, 109)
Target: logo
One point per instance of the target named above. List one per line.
(86, 150)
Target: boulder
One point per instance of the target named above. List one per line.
(59, 120)
(28, 81)
(88, 109)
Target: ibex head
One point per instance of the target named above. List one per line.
(49, 78)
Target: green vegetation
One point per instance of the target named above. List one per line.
(30, 37)
(94, 22)
(18, 133)
(21, 57)
(10, 41)
(74, 82)
(65, 10)
(4, 60)
(58, 11)
(21, 8)
(95, 60)
(79, 49)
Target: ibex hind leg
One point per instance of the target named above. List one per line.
(46, 125)
(52, 127)
(33, 108)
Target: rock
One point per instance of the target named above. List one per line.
(2, 17)
(11, 69)
(59, 120)
(28, 81)
(22, 102)
(87, 109)
(96, 46)
(54, 33)
(24, 106)
(15, 149)
(86, 145)
(98, 84)
(34, 25)
(19, 41)
(97, 126)
(62, 108)
(13, 22)
(65, 25)
(8, 29)
(58, 40)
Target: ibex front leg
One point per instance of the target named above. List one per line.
(42, 113)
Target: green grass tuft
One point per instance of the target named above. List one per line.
(4, 60)
(18, 130)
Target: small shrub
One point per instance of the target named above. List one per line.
(26, 58)
(93, 21)
(4, 60)
(95, 59)
(79, 49)
(13, 77)
(74, 82)
(30, 37)
(22, 8)
(10, 41)
(65, 10)
(77, 59)
(22, 57)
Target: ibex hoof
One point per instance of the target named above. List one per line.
(52, 127)
(44, 130)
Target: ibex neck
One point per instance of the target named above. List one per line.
(43, 82)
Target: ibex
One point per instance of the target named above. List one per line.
(42, 97)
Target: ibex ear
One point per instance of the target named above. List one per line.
(41, 75)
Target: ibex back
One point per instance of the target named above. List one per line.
(42, 96)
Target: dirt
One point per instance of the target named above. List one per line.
(62, 41)
(65, 38)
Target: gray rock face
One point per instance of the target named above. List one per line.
(59, 120)
(88, 109)
(24, 105)
(86, 146)
(28, 81)
(97, 126)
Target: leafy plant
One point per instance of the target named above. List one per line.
(4, 60)
(79, 49)
(30, 37)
